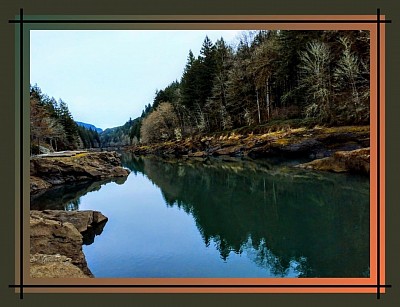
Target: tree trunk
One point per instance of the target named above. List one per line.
(268, 101)
(258, 108)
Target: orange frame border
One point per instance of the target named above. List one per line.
(255, 285)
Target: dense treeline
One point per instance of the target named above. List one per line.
(323, 75)
(269, 75)
(52, 125)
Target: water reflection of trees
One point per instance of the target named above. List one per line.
(67, 196)
(72, 205)
(316, 224)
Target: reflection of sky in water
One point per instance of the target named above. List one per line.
(145, 238)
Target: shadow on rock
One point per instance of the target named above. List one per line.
(89, 235)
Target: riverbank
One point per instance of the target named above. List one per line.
(56, 236)
(63, 167)
(56, 239)
(301, 142)
(317, 142)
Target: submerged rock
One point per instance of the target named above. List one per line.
(46, 171)
(56, 232)
(229, 151)
(198, 154)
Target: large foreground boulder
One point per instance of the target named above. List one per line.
(54, 169)
(55, 232)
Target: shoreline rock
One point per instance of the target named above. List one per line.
(59, 168)
(355, 161)
(56, 239)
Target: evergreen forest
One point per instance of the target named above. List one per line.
(317, 77)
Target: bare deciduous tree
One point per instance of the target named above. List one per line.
(160, 124)
(316, 78)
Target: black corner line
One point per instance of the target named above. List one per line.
(378, 68)
(91, 286)
(21, 21)
(21, 135)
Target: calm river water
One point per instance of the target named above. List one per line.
(219, 218)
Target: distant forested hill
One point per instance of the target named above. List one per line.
(126, 134)
(89, 126)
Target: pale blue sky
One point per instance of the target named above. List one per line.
(106, 77)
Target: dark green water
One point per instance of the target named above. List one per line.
(220, 218)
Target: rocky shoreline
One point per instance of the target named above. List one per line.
(317, 142)
(57, 236)
(56, 239)
(325, 145)
(55, 169)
